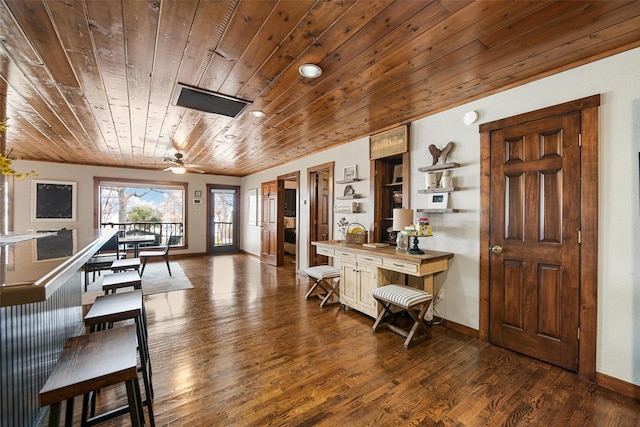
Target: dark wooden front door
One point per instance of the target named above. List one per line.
(534, 238)
(272, 210)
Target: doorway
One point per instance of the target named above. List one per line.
(291, 217)
(223, 215)
(320, 180)
(272, 199)
(538, 255)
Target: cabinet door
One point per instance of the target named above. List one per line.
(364, 292)
(348, 282)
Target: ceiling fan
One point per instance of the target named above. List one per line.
(179, 166)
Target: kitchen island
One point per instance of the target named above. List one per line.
(40, 307)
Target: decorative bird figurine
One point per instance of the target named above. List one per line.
(437, 154)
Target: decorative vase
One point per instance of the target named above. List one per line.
(401, 241)
(397, 197)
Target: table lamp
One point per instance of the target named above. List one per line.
(401, 218)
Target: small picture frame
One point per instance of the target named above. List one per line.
(351, 173)
(197, 193)
(197, 201)
(438, 201)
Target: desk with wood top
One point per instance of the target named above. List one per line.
(363, 268)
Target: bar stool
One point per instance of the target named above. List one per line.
(325, 276)
(124, 264)
(112, 282)
(118, 308)
(91, 362)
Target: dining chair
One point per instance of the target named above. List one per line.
(164, 253)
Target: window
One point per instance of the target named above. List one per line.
(143, 207)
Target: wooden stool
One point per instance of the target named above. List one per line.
(124, 264)
(324, 276)
(122, 307)
(407, 298)
(91, 362)
(112, 282)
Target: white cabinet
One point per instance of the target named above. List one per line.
(358, 280)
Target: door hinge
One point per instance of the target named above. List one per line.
(579, 140)
(578, 334)
(579, 237)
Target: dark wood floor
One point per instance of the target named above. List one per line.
(245, 349)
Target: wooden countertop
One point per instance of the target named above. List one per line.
(386, 252)
(33, 270)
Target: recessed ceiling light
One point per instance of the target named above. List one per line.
(310, 70)
(230, 136)
(257, 113)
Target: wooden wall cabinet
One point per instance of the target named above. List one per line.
(383, 189)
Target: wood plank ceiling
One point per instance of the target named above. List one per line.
(91, 82)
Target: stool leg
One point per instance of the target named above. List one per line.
(329, 292)
(135, 402)
(418, 321)
(381, 315)
(145, 361)
(315, 285)
(68, 416)
(54, 415)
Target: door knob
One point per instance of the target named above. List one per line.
(496, 249)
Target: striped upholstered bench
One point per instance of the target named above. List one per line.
(327, 278)
(414, 301)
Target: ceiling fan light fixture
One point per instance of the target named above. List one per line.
(178, 169)
(310, 71)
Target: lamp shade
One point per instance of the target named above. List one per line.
(402, 218)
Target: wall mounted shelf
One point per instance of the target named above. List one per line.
(439, 167)
(438, 190)
(342, 181)
(436, 211)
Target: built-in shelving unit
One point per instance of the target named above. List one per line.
(388, 194)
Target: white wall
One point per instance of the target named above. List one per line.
(617, 79)
(83, 176)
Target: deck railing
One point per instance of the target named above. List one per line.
(223, 232)
(162, 231)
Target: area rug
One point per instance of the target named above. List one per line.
(155, 280)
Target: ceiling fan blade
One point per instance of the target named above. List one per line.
(169, 159)
(167, 169)
(192, 169)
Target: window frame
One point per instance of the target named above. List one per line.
(102, 180)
